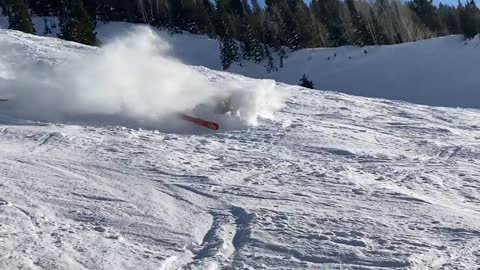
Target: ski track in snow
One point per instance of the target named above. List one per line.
(333, 182)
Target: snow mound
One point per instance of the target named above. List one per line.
(132, 81)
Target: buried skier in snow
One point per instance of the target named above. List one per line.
(204, 111)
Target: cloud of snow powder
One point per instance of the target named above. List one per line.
(131, 81)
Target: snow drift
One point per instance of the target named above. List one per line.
(133, 81)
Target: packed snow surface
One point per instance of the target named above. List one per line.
(95, 174)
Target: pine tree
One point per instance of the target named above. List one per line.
(328, 11)
(75, 23)
(305, 82)
(91, 8)
(45, 8)
(248, 43)
(228, 52)
(220, 18)
(210, 12)
(427, 13)
(175, 21)
(259, 53)
(46, 30)
(256, 7)
(225, 28)
(254, 33)
(452, 22)
(236, 7)
(19, 17)
(383, 12)
(264, 32)
(247, 36)
(379, 35)
(282, 55)
(469, 19)
(202, 18)
(270, 67)
(3, 8)
(362, 36)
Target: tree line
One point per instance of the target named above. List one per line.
(249, 31)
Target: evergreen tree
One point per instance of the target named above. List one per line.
(259, 52)
(182, 14)
(328, 11)
(116, 10)
(210, 12)
(225, 29)
(448, 17)
(382, 11)
(362, 36)
(469, 19)
(270, 67)
(228, 52)
(249, 43)
(220, 19)
(257, 10)
(255, 33)
(202, 18)
(236, 7)
(19, 17)
(283, 24)
(378, 33)
(46, 30)
(247, 36)
(45, 8)
(452, 22)
(427, 13)
(305, 82)
(3, 8)
(75, 23)
(282, 55)
(91, 8)
(306, 27)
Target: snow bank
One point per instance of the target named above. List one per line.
(133, 81)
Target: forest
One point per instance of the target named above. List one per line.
(250, 31)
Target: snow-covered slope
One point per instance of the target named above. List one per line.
(439, 72)
(330, 182)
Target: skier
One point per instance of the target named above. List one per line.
(222, 107)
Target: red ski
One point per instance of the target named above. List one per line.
(200, 122)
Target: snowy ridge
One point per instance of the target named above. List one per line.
(328, 181)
